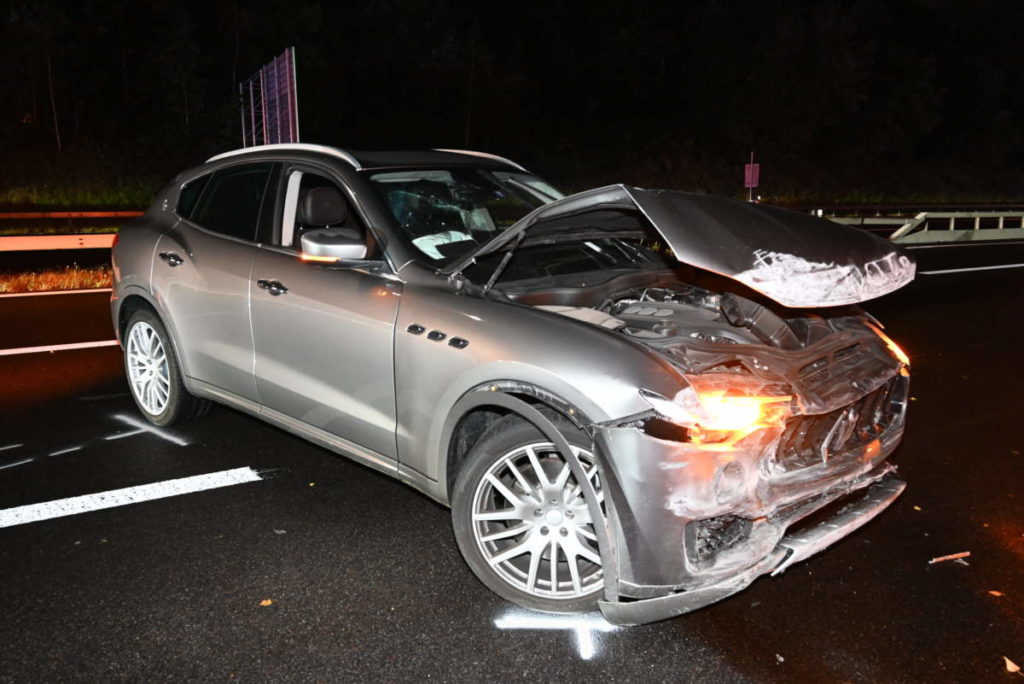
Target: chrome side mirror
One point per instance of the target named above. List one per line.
(332, 244)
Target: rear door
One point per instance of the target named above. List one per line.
(203, 270)
(324, 335)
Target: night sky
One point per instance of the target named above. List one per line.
(863, 100)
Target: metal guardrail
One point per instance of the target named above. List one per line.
(33, 243)
(957, 226)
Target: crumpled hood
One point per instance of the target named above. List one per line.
(795, 259)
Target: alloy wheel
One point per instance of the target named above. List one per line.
(533, 526)
(148, 371)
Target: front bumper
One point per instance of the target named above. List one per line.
(879, 489)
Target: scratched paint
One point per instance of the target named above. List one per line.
(794, 281)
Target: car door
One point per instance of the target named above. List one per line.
(201, 275)
(323, 334)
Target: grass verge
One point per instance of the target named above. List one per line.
(64, 278)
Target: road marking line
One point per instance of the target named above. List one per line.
(976, 268)
(16, 463)
(57, 347)
(65, 451)
(10, 446)
(122, 435)
(152, 429)
(122, 497)
(46, 293)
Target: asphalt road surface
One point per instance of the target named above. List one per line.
(322, 570)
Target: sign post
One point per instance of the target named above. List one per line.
(751, 176)
(270, 103)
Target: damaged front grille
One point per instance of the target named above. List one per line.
(712, 536)
(810, 441)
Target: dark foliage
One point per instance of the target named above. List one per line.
(105, 99)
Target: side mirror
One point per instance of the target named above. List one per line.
(332, 244)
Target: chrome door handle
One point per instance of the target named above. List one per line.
(274, 287)
(172, 258)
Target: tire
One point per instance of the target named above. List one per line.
(509, 547)
(154, 376)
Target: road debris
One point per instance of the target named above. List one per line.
(1012, 667)
(277, 531)
(779, 659)
(996, 593)
(917, 508)
(267, 602)
(950, 557)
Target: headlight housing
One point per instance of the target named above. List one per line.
(721, 408)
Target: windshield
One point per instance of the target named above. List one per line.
(445, 213)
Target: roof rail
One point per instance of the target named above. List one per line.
(299, 147)
(485, 155)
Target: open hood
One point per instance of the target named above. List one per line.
(795, 259)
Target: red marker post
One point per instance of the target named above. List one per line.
(751, 175)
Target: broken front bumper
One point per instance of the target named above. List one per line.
(879, 490)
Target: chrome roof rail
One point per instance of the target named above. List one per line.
(485, 155)
(297, 147)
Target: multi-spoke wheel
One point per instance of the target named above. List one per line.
(146, 363)
(522, 522)
(153, 373)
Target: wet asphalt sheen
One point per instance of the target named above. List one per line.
(363, 582)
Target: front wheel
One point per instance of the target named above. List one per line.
(522, 522)
(153, 373)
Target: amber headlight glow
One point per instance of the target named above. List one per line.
(721, 408)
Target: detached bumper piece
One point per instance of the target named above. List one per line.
(793, 548)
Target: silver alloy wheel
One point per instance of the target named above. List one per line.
(148, 372)
(533, 526)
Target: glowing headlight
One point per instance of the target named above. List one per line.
(722, 403)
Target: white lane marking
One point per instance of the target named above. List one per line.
(54, 292)
(58, 452)
(16, 463)
(976, 268)
(152, 429)
(11, 446)
(583, 625)
(57, 347)
(122, 435)
(122, 497)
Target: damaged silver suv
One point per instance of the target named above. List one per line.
(635, 399)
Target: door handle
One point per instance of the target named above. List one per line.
(172, 258)
(274, 287)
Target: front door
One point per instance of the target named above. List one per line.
(324, 334)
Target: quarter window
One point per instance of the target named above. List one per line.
(189, 195)
(232, 200)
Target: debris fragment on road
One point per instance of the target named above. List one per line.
(1012, 666)
(267, 602)
(950, 557)
(996, 593)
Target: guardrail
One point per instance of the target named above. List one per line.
(980, 226)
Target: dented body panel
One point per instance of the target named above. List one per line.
(698, 504)
(793, 258)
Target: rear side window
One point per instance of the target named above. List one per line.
(232, 200)
(189, 195)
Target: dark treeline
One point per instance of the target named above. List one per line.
(862, 99)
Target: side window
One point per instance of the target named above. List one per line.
(232, 200)
(313, 201)
(189, 195)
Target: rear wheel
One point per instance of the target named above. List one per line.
(153, 373)
(522, 522)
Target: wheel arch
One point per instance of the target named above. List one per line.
(482, 406)
(137, 299)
